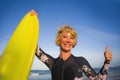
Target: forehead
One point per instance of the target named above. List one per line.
(66, 33)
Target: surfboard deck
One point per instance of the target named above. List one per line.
(17, 57)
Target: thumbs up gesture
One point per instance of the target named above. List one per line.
(108, 54)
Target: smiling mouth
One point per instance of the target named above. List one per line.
(67, 45)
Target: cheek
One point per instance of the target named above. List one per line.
(62, 40)
(73, 42)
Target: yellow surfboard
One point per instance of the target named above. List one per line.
(17, 57)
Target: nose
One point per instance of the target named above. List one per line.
(69, 40)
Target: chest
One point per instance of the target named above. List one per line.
(68, 69)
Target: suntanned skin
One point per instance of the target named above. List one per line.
(66, 44)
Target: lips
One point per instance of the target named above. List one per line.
(67, 45)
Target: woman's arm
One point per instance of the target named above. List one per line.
(104, 70)
(102, 74)
(44, 57)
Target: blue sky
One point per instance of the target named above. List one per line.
(97, 23)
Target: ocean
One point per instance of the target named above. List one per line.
(113, 74)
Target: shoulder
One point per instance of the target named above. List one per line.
(80, 58)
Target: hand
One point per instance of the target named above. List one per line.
(108, 54)
(32, 12)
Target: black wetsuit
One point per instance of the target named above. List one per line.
(72, 68)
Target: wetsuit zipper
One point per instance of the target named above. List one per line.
(63, 71)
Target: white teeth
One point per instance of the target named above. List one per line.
(67, 45)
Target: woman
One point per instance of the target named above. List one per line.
(67, 66)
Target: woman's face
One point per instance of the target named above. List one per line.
(66, 42)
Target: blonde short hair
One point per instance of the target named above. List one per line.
(64, 29)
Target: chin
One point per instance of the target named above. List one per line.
(67, 50)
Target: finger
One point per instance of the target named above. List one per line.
(109, 56)
(107, 49)
(109, 59)
(33, 12)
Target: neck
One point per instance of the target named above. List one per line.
(64, 55)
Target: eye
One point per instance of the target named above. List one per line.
(64, 36)
(72, 37)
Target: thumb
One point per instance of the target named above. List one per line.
(107, 49)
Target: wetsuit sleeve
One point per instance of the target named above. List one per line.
(104, 71)
(86, 68)
(90, 72)
(45, 58)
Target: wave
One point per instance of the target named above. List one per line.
(113, 74)
(34, 74)
(39, 72)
